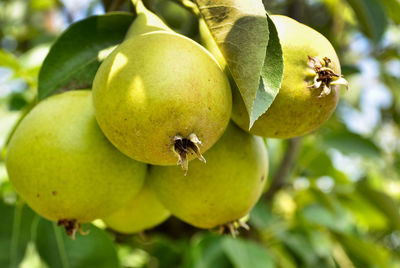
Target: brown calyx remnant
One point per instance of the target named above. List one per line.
(185, 146)
(324, 77)
(71, 226)
(233, 227)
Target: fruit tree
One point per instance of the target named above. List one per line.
(199, 133)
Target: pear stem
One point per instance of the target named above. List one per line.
(139, 6)
(190, 6)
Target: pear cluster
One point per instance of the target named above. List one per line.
(158, 100)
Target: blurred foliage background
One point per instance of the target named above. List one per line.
(333, 196)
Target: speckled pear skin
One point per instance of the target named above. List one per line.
(143, 212)
(62, 165)
(158, 85)
(297, 109)
(222, 190)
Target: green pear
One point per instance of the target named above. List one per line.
(62, 165)
(220, 192)
(161, 98)
(309, 91)
(209, 42)
(143, 212)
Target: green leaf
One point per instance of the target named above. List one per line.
(319, 215)
(351, 144)
(245, 254)
(382, 202)
(166, 250)
(240, 29)
(364, 253)
(42, 4)
(349, 69)
(299, 244)
(9, 60)
(321, 243)
(15, 233)
(206, 251)
(364, 213)
(271, 75)
(393, 9)
(316, 163)
(261, 216)
(371, 16)
(73, 59)
(94, 250)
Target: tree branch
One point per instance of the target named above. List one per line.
(286, 167)
(112, 5)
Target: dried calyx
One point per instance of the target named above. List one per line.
(71, 227)
(233, 227)
(324, 76)
(186, 146)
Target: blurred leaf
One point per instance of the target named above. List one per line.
(42, 4)
(300, 245)
(321, 242)
(17, 102)
(132, 256)
(382, 202)
(7, 191)
(245, 254)
(315, 161)
(283, 257)
(365, 213)
(167, 251)
(33, 58)
(348, 69)
(209, 252)
(364, 253)
(311, 247)
(351, 143)
(7, 59)
(15, 233)
(206, 251)
(73, 60)
(271, 75)
(372, 17)
(393, 9)
(319, 215)
(95, 250)
(261, 215)
(240, 29)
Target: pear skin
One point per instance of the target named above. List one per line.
(161, 98)
(64, 168)
(143, 212)
(221, 191)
